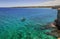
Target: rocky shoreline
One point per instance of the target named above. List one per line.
(55, 32)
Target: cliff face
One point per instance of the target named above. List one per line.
(58, 17)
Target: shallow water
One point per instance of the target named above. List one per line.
(11, 26)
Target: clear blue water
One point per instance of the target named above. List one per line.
(11, 26)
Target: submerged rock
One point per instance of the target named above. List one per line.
(23, 19)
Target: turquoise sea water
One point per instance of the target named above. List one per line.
(12, 26)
